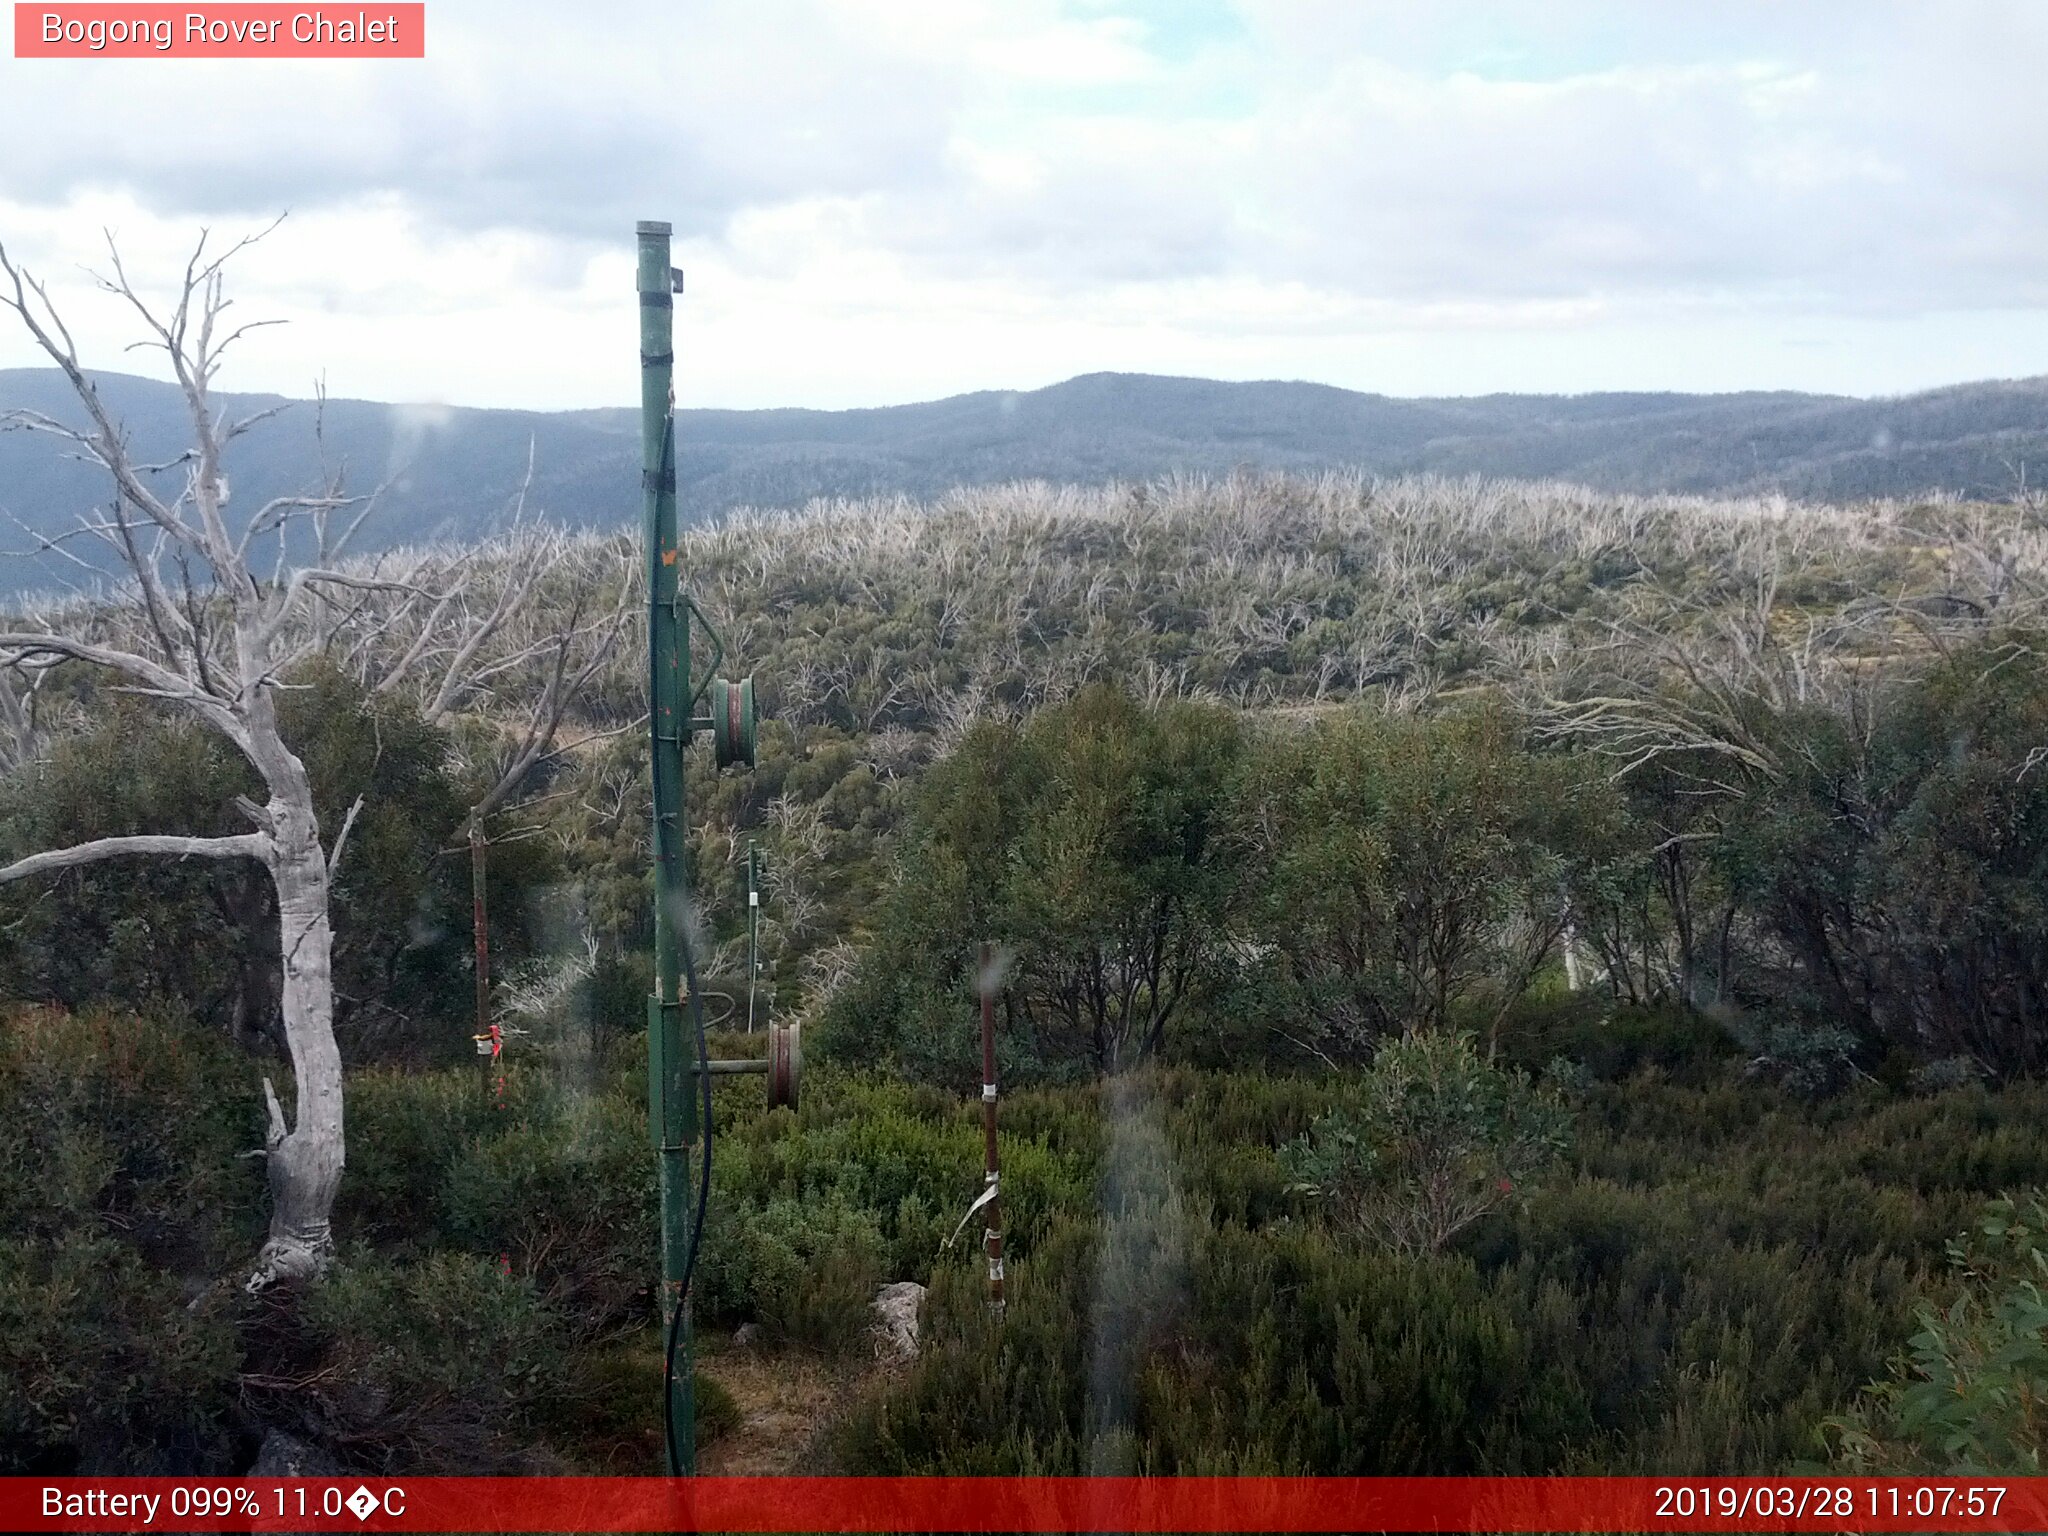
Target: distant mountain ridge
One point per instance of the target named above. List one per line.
(454, 470)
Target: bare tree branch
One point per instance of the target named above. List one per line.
(247, 845)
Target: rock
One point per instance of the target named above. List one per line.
(746, 1336)
(283, 1455)
(896, 1311)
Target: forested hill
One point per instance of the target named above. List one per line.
(454, 471)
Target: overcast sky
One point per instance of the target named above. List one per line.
(888, 200)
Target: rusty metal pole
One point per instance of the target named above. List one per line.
(480, 924)
(992, 1237)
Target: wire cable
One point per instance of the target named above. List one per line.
(675, 1322)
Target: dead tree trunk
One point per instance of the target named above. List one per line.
(218, 649)
(306, 1157)
(200, 633)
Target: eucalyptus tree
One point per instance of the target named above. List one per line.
(195, 627)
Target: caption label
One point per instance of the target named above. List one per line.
(241, 31)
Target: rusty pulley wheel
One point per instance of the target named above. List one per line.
(785, 1064)
(732, 722)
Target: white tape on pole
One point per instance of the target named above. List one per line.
(982, 1199)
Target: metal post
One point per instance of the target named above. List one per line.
(671, 1075)
(992, 1236)
(480, 934)
(753, 930)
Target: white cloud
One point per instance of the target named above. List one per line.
(890, 198)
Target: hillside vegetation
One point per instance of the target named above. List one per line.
(1498, 978)
(452, 473)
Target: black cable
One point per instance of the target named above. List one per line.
(675, 1322)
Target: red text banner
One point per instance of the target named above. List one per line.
(1023, 1504)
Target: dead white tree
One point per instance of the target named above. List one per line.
(216, 647)
(17, 723)
(197, 629)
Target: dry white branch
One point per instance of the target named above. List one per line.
(247, 845)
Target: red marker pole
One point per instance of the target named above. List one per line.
(992, 1237)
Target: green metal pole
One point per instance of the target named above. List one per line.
(671, 1064)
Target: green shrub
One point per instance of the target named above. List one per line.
(150, 934)
(1282, 1352)
(1614, 1041)
(909, 1155)
(200, 936)
(805, 1270)
(406, 1130)
(1898, 859)
(608, 1415)
(1810, 1061)
(1442, 1137)
(1406, 872)
(441, 1363)
(1716, 1269)
(123, 1196)
(1966, 1396)
(1085, 841)
(131, 1121)
(567, 1193)
(102, 1367)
